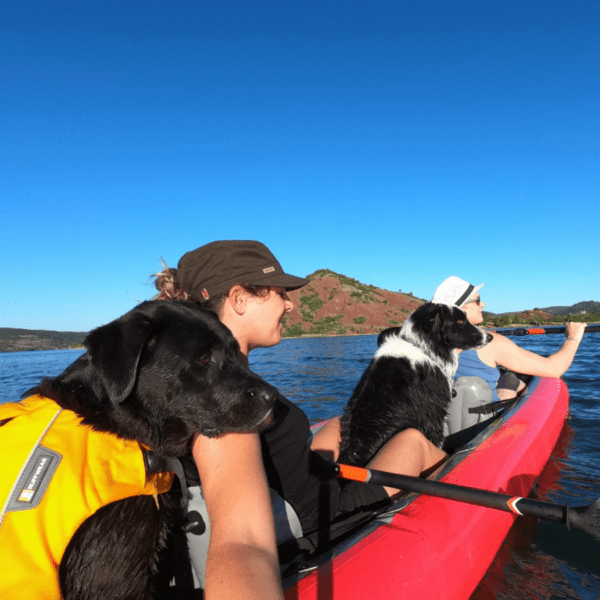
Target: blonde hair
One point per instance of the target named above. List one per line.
(165, 284)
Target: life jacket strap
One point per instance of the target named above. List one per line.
(192, 520)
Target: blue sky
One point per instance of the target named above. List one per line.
(395, 142)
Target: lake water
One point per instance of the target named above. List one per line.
(538, 560)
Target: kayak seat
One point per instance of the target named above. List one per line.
(287, 528)
(468, 410)
(470, 392)
(294, 548)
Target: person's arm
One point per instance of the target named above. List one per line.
(242, 555)
(511, 356)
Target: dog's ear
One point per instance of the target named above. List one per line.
(115, 351)
(437, 317)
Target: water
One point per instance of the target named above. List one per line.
(540, 561)
(20, 371)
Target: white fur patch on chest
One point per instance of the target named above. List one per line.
(396, 347)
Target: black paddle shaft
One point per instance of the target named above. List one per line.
(586, 518)
(542, 330)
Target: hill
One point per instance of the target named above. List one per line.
(333, 304)
(589, 306)
(588, 312)
(18, 340)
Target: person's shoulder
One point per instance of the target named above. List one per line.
(498, 338)
(490, 348)
(499, 346)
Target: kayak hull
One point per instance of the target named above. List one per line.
(438, 548)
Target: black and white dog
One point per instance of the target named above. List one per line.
(157, 375)
(409, 381)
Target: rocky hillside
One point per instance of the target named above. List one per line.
(333, 304)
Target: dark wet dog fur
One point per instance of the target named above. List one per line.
(158, 374)
(409, 381)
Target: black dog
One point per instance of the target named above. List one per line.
(409, 381)
(157, 375)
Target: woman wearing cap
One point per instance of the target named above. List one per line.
(502, 351)
(244, 284)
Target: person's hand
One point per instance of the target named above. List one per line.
(575, 331)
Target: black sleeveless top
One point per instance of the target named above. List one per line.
(305, 479)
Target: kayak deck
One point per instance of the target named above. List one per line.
(426, 547)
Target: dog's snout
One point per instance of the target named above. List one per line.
(488, 338)
(265, 394)
(258, 391)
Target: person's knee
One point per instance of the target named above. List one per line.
(408, 443)
(417, 443)
(504, 394)
(426, 454)
(411, 437)
(508, 381)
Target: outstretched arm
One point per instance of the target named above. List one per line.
(511, 356)
(242, 556)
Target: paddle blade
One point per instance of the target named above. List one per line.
(586, 518)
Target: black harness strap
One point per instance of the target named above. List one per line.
(192, 521)
(492, 407)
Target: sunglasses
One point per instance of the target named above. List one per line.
(476, 300)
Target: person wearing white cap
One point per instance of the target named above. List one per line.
(455, 290)
(501, 351)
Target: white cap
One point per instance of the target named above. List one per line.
(454, 290)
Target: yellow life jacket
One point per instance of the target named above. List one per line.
(55, 474)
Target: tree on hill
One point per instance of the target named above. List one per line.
(502, 321)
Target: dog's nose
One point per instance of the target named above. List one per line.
(265, 395)
(489, 338)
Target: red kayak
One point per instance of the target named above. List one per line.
(435, 548)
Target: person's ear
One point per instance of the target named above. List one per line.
(237, 299)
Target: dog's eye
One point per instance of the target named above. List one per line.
(205, 358)
(460, 322)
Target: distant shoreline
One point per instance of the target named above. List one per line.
(316, 335)
(39, 350)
